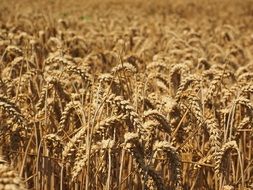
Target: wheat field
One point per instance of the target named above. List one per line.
(126, 95)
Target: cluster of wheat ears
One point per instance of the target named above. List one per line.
(124, 95)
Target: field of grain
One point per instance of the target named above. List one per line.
(126, 95)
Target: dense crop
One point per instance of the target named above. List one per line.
(126, 95)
